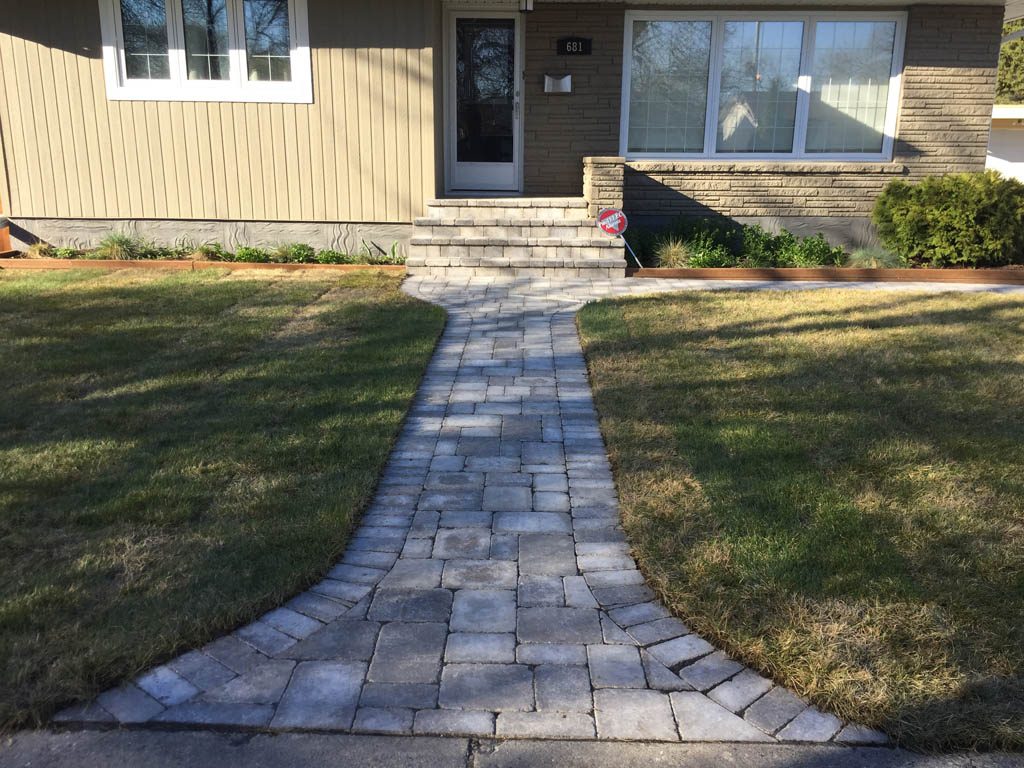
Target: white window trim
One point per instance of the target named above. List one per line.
(298, 90)
(810, 20)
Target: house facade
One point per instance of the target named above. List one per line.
(335, 122)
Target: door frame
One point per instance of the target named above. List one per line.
(448, 118)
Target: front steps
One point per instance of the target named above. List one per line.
(514, 237)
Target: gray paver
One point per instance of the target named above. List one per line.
(218, 713)
(130, 704)
(466, 543)
(702, 720)
(408, 653)
(616, 666)
(480, 647)
(741, 691)
(675, 652)
(775, 709)
(321, 694)
(411, 605)
(166, 686)
(811, 725)
(342, 640)
(634, 714)
(383, 720)
(547, 555)
(562, 688)
(494, 687)
(263, 684)
(399, 695)
(708, 672)
(545, 725)
(551, 653)
(558, 625)
(484, 610)
(418, 574)
(454, 722)
(479, 574)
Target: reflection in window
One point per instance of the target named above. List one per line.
(268, 40)
(206, 39)
(669, 86)
(144, 27)
(485, 90)
(850, 85)
(760, 70)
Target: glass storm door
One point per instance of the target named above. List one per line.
(484, 108)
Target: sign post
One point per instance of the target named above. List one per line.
(613, 222)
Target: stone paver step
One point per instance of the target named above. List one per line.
(489, 590)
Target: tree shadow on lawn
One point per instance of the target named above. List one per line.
(189, 486)
(832, 490)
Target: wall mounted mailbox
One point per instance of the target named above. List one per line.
(575, 46)
(557, 83)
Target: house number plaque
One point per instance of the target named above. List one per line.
(574, 46)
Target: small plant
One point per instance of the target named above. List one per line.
(328, 256)
(706, 253)
(874, 258)
(211, 252)
(761, 248)
(121, 246)
(67, 253)
(40, 250)
(252, 255)
(812, 251)
(294, 253)
(672, 253)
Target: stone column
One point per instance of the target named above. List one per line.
(602, 182)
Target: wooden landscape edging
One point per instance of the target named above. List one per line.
(840, 274)
(186, 265)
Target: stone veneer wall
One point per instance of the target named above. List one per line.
(945, 112)
(561, 128)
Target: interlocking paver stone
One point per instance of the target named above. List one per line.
(495, 687)
(484, 610)
(701, 720)
(775, 709)
(634, 714)
(811, 725)
(616, 666)
(408, 653)
(490, 588)
(411, 605)
(321, 694)
(563, 688)
(558, 625)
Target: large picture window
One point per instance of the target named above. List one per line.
(207, 50)
(761, 85)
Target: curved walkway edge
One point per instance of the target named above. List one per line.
(489, 591)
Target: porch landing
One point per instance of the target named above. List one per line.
(512, 237)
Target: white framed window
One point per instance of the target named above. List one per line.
(761, 85)
(207, 50)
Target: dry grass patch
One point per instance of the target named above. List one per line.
(180, 452)
(829, 484)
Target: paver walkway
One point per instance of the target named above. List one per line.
(489, 590)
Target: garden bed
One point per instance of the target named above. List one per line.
(187, 265)
(838, 274)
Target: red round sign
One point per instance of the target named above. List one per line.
(612, 221)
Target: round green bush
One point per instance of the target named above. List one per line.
(962, 219)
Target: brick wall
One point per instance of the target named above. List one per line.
(561, 128)
(946, 106)
(948, 90)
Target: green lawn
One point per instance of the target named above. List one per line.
(830, 484)
(180, 451)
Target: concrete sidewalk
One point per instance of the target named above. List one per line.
(205, 749)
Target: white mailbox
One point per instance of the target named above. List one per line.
(557, 83)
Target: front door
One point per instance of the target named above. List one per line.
(483, 138)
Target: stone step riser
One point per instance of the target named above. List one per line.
(473, 212)
(584, 230)
(518, 272)
(452, 255)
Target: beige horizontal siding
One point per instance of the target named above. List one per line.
(363, 151)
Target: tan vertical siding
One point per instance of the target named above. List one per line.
(363, 151)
